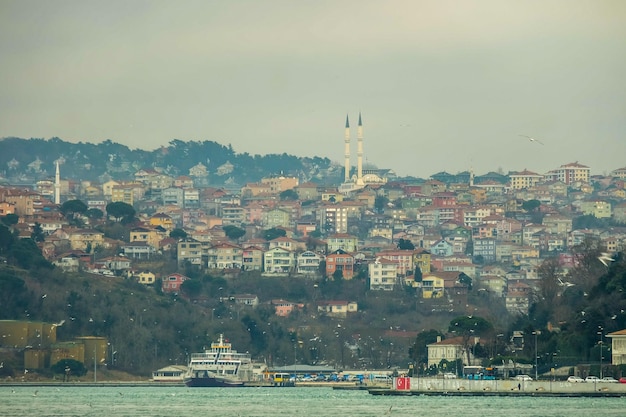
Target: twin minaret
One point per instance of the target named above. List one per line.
(359, 152)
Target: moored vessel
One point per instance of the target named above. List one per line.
(219, 366)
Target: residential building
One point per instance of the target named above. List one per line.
(280, 183)
(279, 260)
(338, 308)
(163, 220)
(524, 179)
(85, 239)
(189, 250)
(252, 258)
(343, 241)
(340, 260)
(485, 248)
(152, 236)
(225, 256)
(139, 250)
(283, 308)
(442, 248)
(172, 283)
(571, 173)
(403, 260)
(276, 218)
(432, 286)
(250, 300)
(597, 208)
(145, 277)
(308, 263)
(382, 274)
(421, 259)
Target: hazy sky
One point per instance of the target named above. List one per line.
(442, 85)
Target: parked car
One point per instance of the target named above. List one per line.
(523, 378)
(622, 380)
(608, 379)
(449, 375)
(592, 378)
(575, 379)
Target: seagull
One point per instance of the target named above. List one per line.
(532, 139)
(35, 393)
(44, 296)
(565, 283)
(604, 258)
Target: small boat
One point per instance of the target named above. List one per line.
(219, 366)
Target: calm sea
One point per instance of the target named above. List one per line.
(182, 401)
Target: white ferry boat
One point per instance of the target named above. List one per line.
(219, 366)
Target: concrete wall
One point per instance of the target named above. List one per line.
(437, 384)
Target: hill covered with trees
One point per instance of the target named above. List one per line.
(24, 160)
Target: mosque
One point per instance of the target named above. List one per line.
(362, 177)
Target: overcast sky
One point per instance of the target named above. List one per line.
(442, 85)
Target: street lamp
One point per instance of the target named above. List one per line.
(536, 332)
(600, 334)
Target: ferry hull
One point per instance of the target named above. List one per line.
(210, 382)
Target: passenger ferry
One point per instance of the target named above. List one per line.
(219, 366)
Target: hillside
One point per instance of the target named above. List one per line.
(28, 160)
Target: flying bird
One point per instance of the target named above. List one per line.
(565, 283)
(604, 258)
(530, 138)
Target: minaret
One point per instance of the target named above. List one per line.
(359, 152)
(57, 186)
(347, 151)
(471, 178)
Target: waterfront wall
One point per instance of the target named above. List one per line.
(508, 385)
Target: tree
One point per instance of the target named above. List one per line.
(418, 274)
(289, 195)
(178, 234)
(380, 202)
(469, 327)
(94, 213)
(68, 367)
(531, 205)
(419, 351)
(10, 219)
(191, 288)
(37, 235)
(6, 239)
(233, 232)
(405, 244)
(120, 211)
(465, 280)
(72, 207)
(273, 233)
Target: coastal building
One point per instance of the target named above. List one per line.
(618, 347)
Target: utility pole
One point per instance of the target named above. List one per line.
(536, 332)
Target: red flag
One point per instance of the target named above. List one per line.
(403, 383)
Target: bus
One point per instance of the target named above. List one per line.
(282, 379)
(479, 372)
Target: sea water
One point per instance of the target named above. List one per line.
(319, 401)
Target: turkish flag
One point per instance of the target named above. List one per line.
(403, 383)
